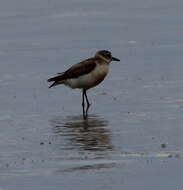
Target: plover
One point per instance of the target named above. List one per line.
(85, 75)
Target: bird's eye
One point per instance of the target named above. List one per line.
(107, 54)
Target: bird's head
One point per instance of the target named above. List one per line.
(105, 56)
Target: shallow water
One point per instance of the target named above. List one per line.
(133, 136)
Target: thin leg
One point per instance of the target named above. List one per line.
(88, 103)
(84, 97)
(83, 103)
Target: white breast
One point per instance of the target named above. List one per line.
(89, 80)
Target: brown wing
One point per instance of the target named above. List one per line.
(80, 69)
(75, 71)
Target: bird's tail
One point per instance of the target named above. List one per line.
(56, 81)
(53, 84)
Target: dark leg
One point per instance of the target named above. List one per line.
(83, 103)
(88, 103)
(84, 97)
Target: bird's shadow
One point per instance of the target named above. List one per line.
(74, 132)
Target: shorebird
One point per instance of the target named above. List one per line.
(85, 75)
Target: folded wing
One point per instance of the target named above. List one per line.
(75, 71)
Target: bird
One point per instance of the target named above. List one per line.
(85, 75)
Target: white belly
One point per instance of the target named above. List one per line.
(89, 80)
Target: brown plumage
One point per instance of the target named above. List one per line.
(75, 71)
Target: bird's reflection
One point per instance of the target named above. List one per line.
(91, 134)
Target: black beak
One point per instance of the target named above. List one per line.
(115, 59)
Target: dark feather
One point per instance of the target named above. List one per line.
(53, 84)
(57, 78)
(80, 69)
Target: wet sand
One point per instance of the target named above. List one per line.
(133, 136)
